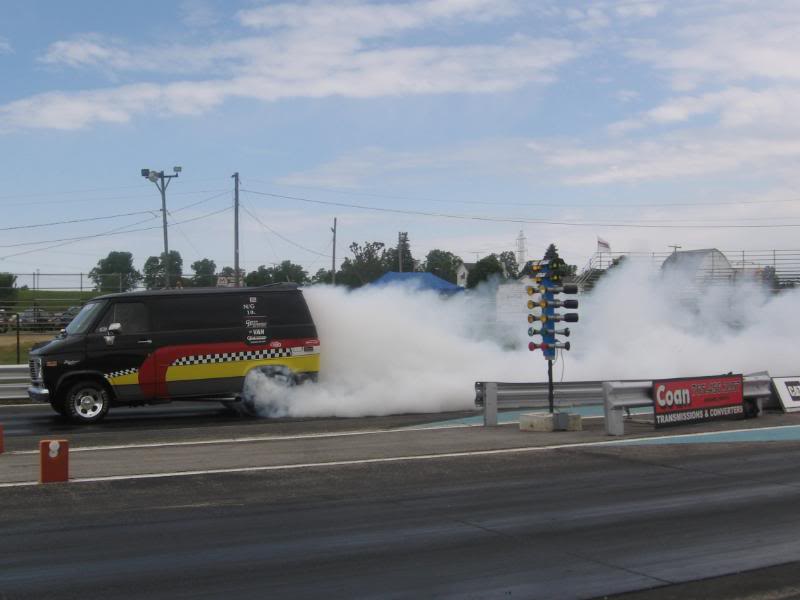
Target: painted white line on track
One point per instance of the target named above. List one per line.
(268, 438)
(390, 459)
(244, 440)
(337, 463)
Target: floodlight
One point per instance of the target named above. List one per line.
(177, 169)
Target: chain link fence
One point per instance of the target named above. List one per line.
(777, 269)
(46, 302)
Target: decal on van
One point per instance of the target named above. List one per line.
(121, 373)
(222, 357)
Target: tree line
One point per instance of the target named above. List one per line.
(368, 261)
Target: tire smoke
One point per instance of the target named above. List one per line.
(396, 349)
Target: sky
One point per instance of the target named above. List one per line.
(462, 122)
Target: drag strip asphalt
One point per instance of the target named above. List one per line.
(569, 523)
(25, 425)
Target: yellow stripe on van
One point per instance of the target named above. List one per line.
(239, 368)
(128, 379)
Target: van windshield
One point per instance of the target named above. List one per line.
(82, 321)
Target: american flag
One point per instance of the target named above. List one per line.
(602, 245)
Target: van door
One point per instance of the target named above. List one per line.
(123, 358)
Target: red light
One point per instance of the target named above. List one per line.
(534, 346)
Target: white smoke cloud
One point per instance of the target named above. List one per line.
(395, 350)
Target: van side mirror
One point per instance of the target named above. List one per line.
(111, 333)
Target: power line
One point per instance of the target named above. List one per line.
(91, 190)
(117, 231)
(285, 239)
(518, 220)
(183, 233)
(105, 198)
(107, 217)
(66, 241)
(553, 204)
(199, 202)
(130, 214)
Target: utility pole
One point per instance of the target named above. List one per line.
(236, 227)
(333, 263)
(674, 248)
(161, 181)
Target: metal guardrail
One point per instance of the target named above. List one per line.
(14, 382)
(492, 396)
(534, 395)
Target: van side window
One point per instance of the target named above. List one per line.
(285, 309)
(131, 315)
(181, 313)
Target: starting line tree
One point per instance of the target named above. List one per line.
(546, 284)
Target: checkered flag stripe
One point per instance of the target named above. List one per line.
(224, 357)
(121, 373)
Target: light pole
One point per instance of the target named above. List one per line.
(162, 181)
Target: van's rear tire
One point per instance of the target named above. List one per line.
(86, 401)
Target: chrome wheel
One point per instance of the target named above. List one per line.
(87, 402)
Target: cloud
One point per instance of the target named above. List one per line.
(627, 95)
(736, 107)
(603, 14)
(5, 46)
(368, 74)
(747, 41)
(362, 20)
(310, 50)
(89, 50)
(198, 14)
(638, 9)
(675, 157)
(379, 166)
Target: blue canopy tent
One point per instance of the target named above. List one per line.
(422, 281)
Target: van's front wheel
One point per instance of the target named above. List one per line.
(86, 401)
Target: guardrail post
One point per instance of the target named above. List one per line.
(490, 404)
(17, 336)
(615, 423)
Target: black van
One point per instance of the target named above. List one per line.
(149, 347)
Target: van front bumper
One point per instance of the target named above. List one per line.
(39, 394)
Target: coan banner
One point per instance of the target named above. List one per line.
(697, 399)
